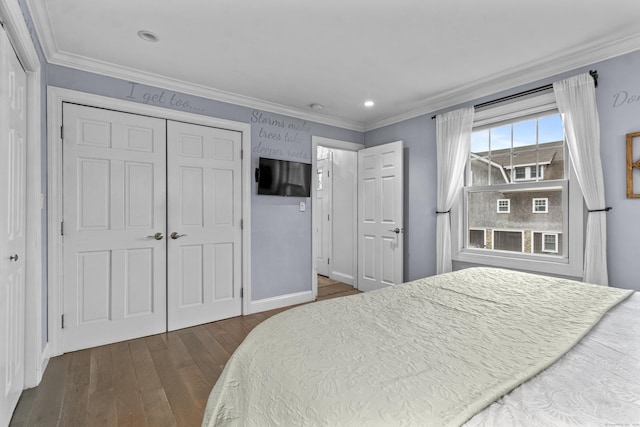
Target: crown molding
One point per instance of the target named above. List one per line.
(57, 57)
(43, 27)
(18, 31)
(517, 76)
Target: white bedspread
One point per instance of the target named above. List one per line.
(596, 384)
(430, 352)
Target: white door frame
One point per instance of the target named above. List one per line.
(55, 97)
(36, 357)
(329, 143)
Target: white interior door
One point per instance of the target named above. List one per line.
(205, 234)
(380, 216)
(323, 219)
(114, 179)
(13, 134)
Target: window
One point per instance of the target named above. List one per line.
(476, 239)
(549, 242)
(505, 240)
(540, 205)
(537, 172)
(504, 205)
(506, 161)
(523, 173)
(519, 163)
(546, 242)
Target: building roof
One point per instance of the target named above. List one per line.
(522, 156)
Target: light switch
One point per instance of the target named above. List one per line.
(303, 206)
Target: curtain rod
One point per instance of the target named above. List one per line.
(594, 74)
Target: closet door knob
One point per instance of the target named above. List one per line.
(175, 235)
(157, 236)
(14, 257)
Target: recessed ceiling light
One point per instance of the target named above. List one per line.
(148, 36)
(316, 107)
(369, 103)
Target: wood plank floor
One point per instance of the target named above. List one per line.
(161, 380)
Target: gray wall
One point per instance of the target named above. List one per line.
(281, 235)
(619, 80)
(618, 99)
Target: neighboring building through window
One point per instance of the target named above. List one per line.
(506, 165)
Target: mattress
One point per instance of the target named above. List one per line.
(435, 351)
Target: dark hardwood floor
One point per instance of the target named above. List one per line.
(161, 380)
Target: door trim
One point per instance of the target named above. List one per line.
(329, 143)
(55, 98)
(36, 356)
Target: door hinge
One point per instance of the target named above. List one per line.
(241, 292)
(62, 228)
(241, 154)
(328, 261)
(62, 321)
(328, 217)
(61, 132)
(242, 224)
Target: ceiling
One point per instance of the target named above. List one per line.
(410, 57)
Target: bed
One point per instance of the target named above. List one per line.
(470, 347)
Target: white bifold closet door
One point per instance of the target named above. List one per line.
(114, 226)
(152, 234)
(205, 234)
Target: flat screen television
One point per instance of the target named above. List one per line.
(283, 178)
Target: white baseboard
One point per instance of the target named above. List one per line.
(34, 378)
(44, 362)
(279, 302)
(346, 279)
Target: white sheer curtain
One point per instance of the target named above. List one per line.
(576, 101)
(453, 138)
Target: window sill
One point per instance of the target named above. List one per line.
(536, 264)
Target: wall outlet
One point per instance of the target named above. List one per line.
(303, 206)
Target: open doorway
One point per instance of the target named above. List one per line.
(335, 204)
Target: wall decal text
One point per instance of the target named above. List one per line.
(161, 97)
(624, 98)
(278, 137)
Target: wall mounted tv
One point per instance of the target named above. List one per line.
(283, 178)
